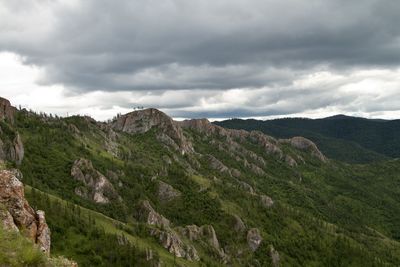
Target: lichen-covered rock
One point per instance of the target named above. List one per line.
(254, 238)
(12, 197)
(166, 192)
(96, 186)
(147, 214)
(266, 201)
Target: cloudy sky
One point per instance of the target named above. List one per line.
(202, 58)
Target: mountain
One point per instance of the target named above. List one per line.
(145, 190)
(350, 139)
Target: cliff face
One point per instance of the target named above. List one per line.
(18, 215)
(11, 147)
(6, 110)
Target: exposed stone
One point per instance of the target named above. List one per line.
(147, 214)
(275, 259)
(290, 161)
(254, 238)
(192, 232)
(7, 111)
(166, 192)
(171, 241)
(96, 186)
(245, 186)
(208, 232)
(7, 220)
(12, 197)
(143, 120)
(235, 173)
(43, 233)
(305, 144)
(257, 170)
(266, 201)
(217, 165)
(239, 225)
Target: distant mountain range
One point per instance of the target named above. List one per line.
(340, 137)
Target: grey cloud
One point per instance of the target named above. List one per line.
(204, 46)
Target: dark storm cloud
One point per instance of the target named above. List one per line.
(203, 45)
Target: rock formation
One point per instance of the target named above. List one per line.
(170, 240)
(166, 192)
(239, 225)
(266, 201)
(146, 213)
(33, 222)
(254, 238)
(275, 258)
(305, 144)
(143, 120)
(6, 110)
(96, 186)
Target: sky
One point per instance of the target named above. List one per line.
(202, 58)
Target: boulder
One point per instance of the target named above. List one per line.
(166, 192)
(12, 198)
(254, 238)
(266, 201)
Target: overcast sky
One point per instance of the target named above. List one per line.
(202, 58)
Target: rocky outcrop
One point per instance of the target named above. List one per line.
(166, 192)
(217, 165)
(11, 147)
(239, 225)
(170, 240)
(275, 258)
(290, 161)
(146, 213)
(7, 111)
(205, 233)
(12, 198)
(143, 120)
(305, 144)
(266, 201)
(246, 187)
(96, 186)
(254, 239)
(165, 235)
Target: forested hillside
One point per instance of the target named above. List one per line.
(145, 190)
(350, 139)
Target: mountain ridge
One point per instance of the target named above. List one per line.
(192, 193)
